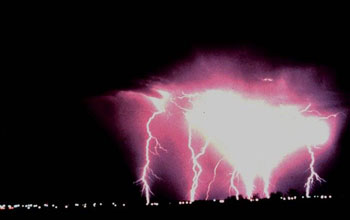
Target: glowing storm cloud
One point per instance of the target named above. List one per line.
(216, 140)
(244, 130)
(252, 135)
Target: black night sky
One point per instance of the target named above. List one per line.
(52, 145)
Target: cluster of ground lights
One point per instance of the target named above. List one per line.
(98, 205)
(213, 130)
(118, 205)
(53, 206)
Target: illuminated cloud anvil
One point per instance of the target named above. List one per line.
(252, 135)
(220, 135)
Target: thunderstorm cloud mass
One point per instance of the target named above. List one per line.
(216, 126)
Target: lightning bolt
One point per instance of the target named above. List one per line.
(232, 184)
(146, 168)
(313, 174)
(213, 179)
(196, 168)
(153, 143)
(160, 105)
(306, 109)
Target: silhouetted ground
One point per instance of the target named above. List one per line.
(271, 208)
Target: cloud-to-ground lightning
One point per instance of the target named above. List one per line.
(146, 169)
(313, 174)
(213, 179)
(233, 187)
(160, 105)
(236, 127)
(261, 124)
(197, 168)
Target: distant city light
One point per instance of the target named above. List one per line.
(115, 204)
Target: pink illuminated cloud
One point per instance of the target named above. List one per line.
(215, 127)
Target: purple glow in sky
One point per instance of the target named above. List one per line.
(216, 127)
